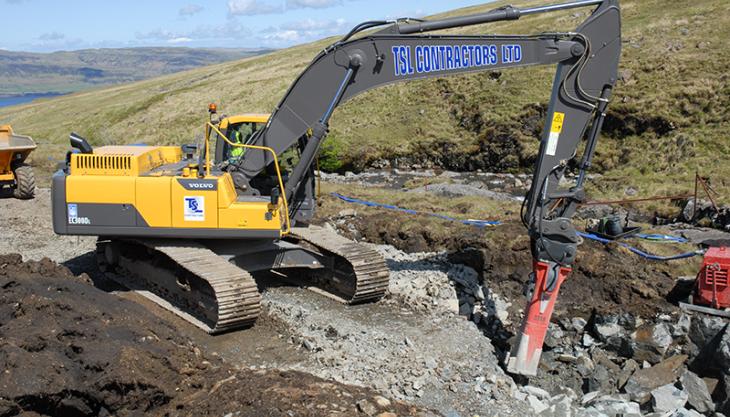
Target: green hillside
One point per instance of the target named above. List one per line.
(69, 71)
(669, 117)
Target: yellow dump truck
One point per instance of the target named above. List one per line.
(14, 172)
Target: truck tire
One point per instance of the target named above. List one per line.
(24, 182)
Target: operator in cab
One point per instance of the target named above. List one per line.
(239, 135)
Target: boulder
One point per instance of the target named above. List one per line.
(578, 324)
(621, 345)
(605, 331)
(589, 397)
(554, 336)
(588, 340)
(599, 381)
(615, 405)
(558, 406)
(703, 329)
(668, 398)
(604, 374)
(584, 365)
(645, 380)
(698, 394)
(537, 405)
(714, 357)
(681, 328)
(628, 369)
(651, 341)
(539, 393)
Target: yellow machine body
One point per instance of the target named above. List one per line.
(152, 191)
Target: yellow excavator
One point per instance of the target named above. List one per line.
(190, 224)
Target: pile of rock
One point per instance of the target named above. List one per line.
(430, 281)
(671, 365)
(704, 213)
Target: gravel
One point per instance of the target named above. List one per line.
(414, 346)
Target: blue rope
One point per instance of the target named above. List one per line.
(477, 223)
(638, 251)
(485, 223)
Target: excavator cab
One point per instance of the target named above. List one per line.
(238, 129)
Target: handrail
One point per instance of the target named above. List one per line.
(261, 148)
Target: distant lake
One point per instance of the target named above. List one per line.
(25, 98)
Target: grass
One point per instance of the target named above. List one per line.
(668, 118)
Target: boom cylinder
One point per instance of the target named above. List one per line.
(505, 13)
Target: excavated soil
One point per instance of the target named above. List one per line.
(70, 349)
(605, 278)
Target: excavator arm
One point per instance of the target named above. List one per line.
(587, 63)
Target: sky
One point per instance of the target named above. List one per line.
(52, 25)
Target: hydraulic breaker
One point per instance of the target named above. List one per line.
(545, 282)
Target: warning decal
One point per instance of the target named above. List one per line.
(555, 130)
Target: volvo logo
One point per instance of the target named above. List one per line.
(198, 185)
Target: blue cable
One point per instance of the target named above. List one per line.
(661, 237)
(477, 223)
(638, 251)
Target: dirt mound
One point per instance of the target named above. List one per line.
(69, 349)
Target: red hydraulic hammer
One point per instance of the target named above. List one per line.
(525, 355)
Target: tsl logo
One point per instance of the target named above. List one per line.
(194, 209)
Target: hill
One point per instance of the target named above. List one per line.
(69, 71)
(668, 118)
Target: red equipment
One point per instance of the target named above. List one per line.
(712, 287)
(525, 356)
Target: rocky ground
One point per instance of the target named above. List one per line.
(618, 344)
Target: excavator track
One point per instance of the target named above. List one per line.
(190, 280)
(357, 275)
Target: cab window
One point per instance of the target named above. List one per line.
(239, 133)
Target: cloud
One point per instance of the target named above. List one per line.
(190, 9)
(181, 39)
(231, 30)
(14, 1)
(311, 25)
(251, 7)
(284, 36)
(51, 36)
(303, 31)
(156, 35)
(312, 4)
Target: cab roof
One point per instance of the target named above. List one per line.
(246, 117)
